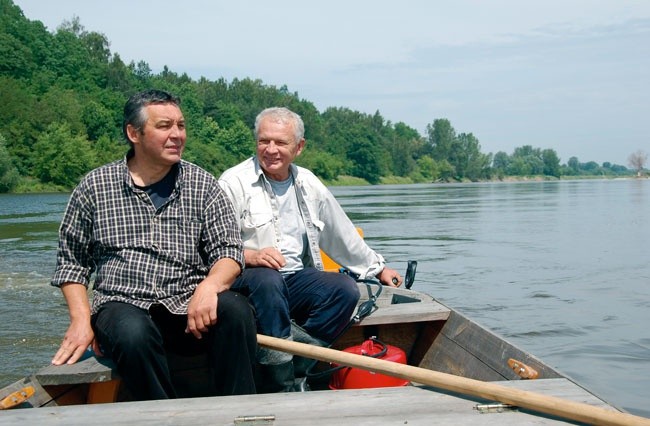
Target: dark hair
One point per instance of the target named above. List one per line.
(133, 108)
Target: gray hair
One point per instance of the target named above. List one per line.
(281, 115)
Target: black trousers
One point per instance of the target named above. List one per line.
(138, 340)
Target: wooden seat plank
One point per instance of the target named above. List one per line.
(405, 313)
(88, 370)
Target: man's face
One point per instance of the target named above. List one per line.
(277, 148)
(162, 139)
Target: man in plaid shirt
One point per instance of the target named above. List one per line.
(163, 242)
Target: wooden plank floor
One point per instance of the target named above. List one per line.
(410, 405)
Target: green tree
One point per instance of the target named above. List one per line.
(441, 137)
(106, 150)
(526, 161)
(574, 165)
(238, 140)
(519, 167)
(21, 120)
(23, 44)
(63, 105)
(211, 157)
(122, 78)
(467, 159)
(204, 149)
(61, 157)
(9, 176)
(216, 149)
(77, 65)
(16, 58)
(324, 165)
(366, 160)
(619, 170)
(551, 163)
(431, 170)
(445, 170)
(338, 124)
(426, 169)
(501, 163)
(461, 152)
(98, 121)
(405, 142)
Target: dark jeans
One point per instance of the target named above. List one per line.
(137, 340)
(320, 302)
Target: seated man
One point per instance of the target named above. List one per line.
(165, 245)
(286, 214)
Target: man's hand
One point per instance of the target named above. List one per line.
(76, 340)
(202, 309)
(80, 333)
(268, 257)
(390, 277)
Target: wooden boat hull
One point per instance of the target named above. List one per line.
(408, 405)
(432, 335)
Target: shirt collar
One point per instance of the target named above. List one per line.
(127, 175)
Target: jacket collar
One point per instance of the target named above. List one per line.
(293, 170)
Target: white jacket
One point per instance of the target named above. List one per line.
(328, 227)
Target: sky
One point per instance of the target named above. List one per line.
(570, 75)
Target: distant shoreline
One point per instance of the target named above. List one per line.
(355, 181)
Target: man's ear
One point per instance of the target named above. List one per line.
(301, 146)
(132, 133)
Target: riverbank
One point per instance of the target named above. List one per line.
(398, 180)
(31, 186)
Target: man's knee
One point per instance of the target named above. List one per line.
(349, 291)
(124, 326)
(269, 296)
(263, 280)
(233, 306)
(264, 287)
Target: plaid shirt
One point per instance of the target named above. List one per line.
(142, 255)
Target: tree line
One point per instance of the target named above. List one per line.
(63, 94)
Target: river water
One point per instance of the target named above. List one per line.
(560, 269)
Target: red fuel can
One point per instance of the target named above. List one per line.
(355, 378)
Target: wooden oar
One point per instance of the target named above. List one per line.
(16, 398)
(524, 399)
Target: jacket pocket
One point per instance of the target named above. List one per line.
(253, 220)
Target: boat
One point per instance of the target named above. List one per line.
(454, 370)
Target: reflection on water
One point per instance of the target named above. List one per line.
(558, 268)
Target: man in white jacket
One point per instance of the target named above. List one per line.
(287, 215)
